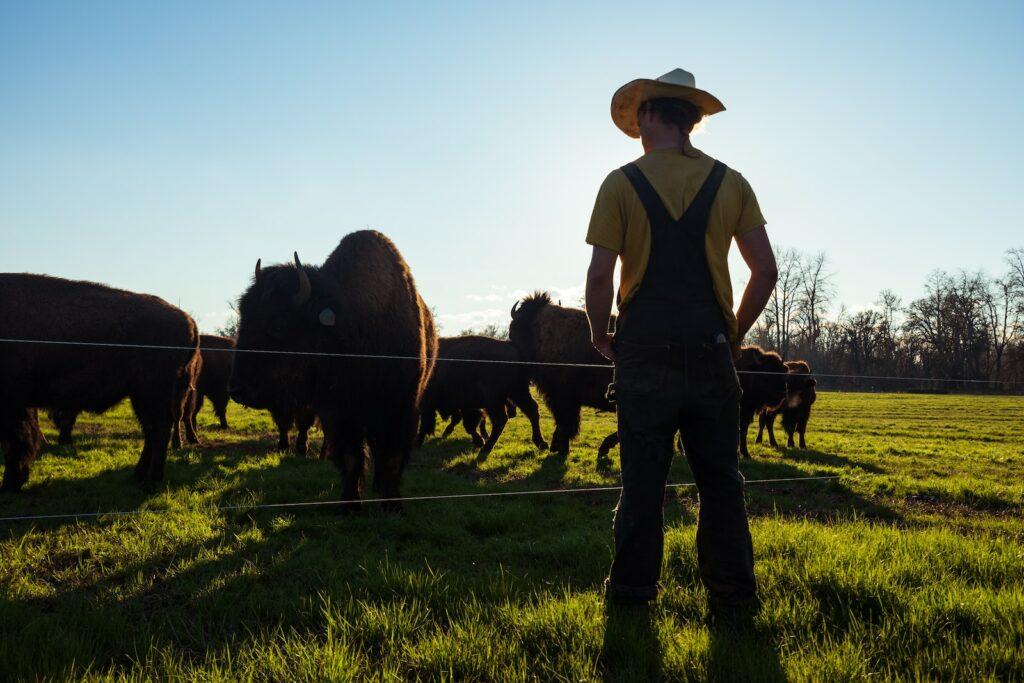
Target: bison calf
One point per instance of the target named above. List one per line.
(62, 372)
(544, 332)
(763, 380)
(477, 373)
(795, 409)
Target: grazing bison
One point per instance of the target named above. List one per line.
(795, 409)
(544, 332)
(217, 353)
(362, 302)
(460, 384)
(763, 379)
(63, 374)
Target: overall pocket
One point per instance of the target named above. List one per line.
(638, 369)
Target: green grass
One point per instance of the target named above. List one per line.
(909, 566)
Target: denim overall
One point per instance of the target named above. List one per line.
(674, 372)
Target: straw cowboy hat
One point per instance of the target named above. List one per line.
(677, 83)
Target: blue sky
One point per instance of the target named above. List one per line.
(165, 147)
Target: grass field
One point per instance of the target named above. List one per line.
(909, 566)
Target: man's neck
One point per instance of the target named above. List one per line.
(676, 142)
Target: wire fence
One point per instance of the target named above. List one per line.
(344, 503)
(601, 366)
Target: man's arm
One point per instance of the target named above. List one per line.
(757, 252)
(599, 296)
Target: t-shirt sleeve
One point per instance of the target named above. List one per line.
(750, 216)
(608, 221)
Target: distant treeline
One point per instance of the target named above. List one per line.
(968, 326)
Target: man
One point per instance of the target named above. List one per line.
(670, 218)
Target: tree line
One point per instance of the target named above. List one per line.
(968, 326)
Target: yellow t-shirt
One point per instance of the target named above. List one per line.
(620, 223)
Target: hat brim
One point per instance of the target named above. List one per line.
(628, 98)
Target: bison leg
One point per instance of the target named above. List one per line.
(197, 405)
(64, 420)
(770, 419)
(567, 424)
(499, 417)
(347, 449)
(188, 416)
(525, 402)
(303, 421)
(803, 430)
(390, 443)
(283, 420)
(157, 421)
(610, 442)
(220, 409)
(746, 417)
(452, 424)
(428, 425)
(20, 435)
(471, 423)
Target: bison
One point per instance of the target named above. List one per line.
(353, 339)
(477, 373)
(545, 332)
(763, 380)
(88, 346)
(795, 409)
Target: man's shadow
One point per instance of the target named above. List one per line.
(631, 650)
(742, 654)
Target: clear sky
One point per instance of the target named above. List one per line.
(164, 147)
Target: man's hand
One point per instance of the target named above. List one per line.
(736, 350)
(599, 297)
(603, 343)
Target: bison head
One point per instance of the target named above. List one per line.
(763, 376)
(800, 385)
(524, 315)
(287, 309)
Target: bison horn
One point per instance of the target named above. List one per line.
(302, 296)
(258, 271)
(515, 309)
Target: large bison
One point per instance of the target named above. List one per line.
(477, 373)
(795, 409)
(360, 305)
(56, 368)
(544, 332)
(763, 380)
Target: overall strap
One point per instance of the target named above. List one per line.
(655, 208)
(700, 207)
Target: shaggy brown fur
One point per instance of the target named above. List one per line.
(75, 378)
(467, 388)
(546, 332)
(795, 410)
(362, 301)
(763, 379)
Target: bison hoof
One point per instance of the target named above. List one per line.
(541, 444)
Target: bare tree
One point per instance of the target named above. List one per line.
(816, 292)
(780, 316)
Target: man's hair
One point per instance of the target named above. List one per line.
(674, 112)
